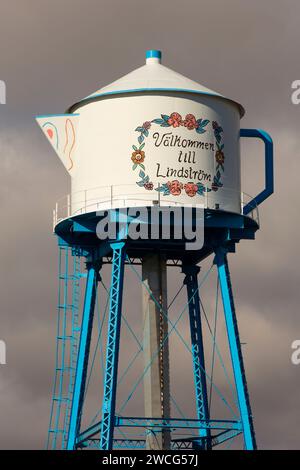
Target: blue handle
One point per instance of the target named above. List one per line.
(269, 172)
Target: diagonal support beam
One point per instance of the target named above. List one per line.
(235, 349)
(191, 282)
(112, 349)
(83, 354)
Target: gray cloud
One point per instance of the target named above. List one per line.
(51, 54)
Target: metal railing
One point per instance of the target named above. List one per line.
(118, 196)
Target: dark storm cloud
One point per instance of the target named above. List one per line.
(52, 54)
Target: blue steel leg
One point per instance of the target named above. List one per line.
(235, 349)
(83, 355)
(112, 349)
(191, 281)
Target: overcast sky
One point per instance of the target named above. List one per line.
(54, 53)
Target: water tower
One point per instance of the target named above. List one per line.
(153, 141)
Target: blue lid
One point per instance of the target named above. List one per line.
(153, 53)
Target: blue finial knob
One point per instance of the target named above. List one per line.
(153, 54)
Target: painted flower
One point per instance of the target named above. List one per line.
(148, 186)
(191, 189)
(220, 157)
(147, 125)
(175, 120)
(175, 187)
(214, 187)
(138, 156)
(215, 125)
(190, 122)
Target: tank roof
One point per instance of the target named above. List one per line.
(153, 76)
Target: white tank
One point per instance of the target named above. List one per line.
(153, 136)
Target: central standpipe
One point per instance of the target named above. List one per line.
(156, 348)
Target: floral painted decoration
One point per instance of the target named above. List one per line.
(138, 156)
(175, 120)
(176, 187)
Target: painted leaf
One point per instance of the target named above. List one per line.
(201, 189)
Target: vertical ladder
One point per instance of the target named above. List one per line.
(74, 340)
(66, 347)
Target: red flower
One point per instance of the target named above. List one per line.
(175, 120)
(175, 187)
(148, 186)
(190, 122)
(191, 189)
